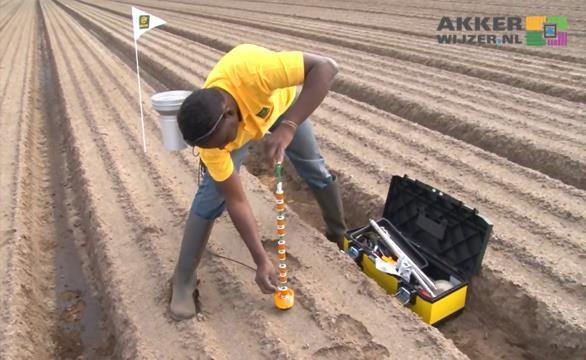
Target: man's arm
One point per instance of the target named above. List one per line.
(241, 214)
(319, 76)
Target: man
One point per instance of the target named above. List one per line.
(251, 92)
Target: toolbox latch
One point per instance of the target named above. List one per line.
(354, 253)
(406, 296)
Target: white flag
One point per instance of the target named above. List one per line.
(143, 22)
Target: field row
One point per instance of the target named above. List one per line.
(535, 130)
(134, 207)
(544, 209)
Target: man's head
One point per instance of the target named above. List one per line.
(208, 118)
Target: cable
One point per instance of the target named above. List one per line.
(229, 259)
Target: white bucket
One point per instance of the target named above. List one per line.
(167, 105)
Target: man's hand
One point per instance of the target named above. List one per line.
(265, 277)
(278, 141)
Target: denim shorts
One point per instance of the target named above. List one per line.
(303, 152)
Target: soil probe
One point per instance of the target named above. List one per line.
(284, 296)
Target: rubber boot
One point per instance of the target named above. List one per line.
(184, 284)
(330, 203)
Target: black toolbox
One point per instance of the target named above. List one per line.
(442, 236)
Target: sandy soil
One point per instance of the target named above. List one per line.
(91, 225)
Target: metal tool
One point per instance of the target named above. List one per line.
(405, 266)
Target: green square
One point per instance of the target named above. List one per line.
(534, 38)
(560, 21)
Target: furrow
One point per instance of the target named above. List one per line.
(172, 213)
(460, 51)
(140, 201)
(387, 39)
(489, 104)
(570, 212)
(532, 258)
(420, 31)
(124, 47)
(127, 247)
(256, 207)
(77, 282)
(576, 94)
(474, 56)
(312, 322)
(271, 342)
(9, 15)
(333, 297)
(491, 99)
(21, 294)
(508, 181)
(539, 219)
(547, 159)
(455, 85)
(382, 168)
(89, 186)
(281, 8)
(512, 145)
(535, 253)
(416, 31)
(533, 105)
(506, 272)
(267, 331)
(164, 214)
(7, 61)
(381, 6)
(36, 247)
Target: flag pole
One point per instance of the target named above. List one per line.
(139, 95)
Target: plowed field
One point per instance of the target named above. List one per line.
(91, 225)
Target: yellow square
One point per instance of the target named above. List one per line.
(534, 23)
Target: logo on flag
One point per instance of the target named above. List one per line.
(143, 22)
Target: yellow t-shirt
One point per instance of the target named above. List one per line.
(263, 84)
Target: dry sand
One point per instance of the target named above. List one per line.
(91, 225)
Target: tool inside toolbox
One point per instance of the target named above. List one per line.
(372, 243)
(395, 255)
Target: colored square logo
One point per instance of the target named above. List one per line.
(546, 30)
(143, 21)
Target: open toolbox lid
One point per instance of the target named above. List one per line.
(438, 223)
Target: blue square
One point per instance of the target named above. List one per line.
(550, 31)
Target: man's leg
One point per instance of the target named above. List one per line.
(305, 155)
(208, 205)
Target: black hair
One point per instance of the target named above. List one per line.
(198, 113)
